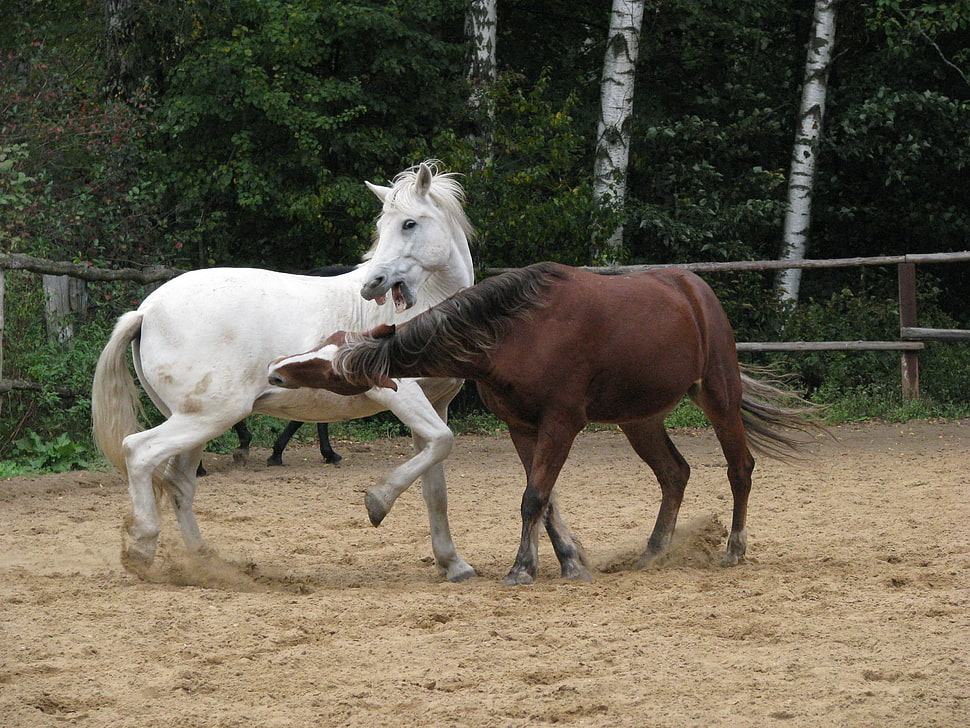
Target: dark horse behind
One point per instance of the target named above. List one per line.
(553, 348)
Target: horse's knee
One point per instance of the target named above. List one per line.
(441, 443)
(533, 505)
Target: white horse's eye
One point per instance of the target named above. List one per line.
(408, 224)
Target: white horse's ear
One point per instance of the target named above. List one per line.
(381, 192)
(423, 182)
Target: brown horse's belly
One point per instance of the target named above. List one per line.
(616, 396)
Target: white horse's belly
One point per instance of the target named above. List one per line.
(314, 405)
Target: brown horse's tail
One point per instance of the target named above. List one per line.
(778, 422)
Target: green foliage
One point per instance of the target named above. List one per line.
(532, 197)
(35, 454)
(273, 118)
(239, 132)
(69, 185)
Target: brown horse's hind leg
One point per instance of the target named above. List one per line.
(651, 442)
(726, 420)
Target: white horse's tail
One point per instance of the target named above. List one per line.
(115, 402)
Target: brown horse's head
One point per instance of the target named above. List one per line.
(314, 369)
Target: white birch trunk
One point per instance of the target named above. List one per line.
(481, 22)
(616, 107)
(801, 180)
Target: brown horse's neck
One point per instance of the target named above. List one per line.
(456, 337)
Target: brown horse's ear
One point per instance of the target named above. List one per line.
(387, 382)
(384, 331)
(338, 338)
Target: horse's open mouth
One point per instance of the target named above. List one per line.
(401, 295)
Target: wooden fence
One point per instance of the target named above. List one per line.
(76, 271)
(911, 340)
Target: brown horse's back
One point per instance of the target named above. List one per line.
(620, 348)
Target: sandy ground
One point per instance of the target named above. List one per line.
(852, 609)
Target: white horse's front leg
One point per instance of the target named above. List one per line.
(433, 440)
(435, 493)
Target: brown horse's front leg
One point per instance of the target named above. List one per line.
(569, 550)
(543, 455)
(523, 571)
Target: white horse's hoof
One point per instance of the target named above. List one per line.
(136, 562)
(377, 509)
(576, 572)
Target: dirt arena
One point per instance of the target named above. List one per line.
(853, 608)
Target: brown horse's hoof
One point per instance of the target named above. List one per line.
(517, 577)
(240, 456)
(576, 573)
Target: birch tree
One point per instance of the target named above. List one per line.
(481, 22)
(616, 107)
(801, 179)
(120, 48)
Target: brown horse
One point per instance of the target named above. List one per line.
(553, 348)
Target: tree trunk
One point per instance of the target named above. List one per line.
(121, 81)
(616, 107)
(801, 180)
(481, 22)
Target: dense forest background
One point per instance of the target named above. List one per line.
(194, 133)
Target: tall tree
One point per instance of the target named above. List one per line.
(616, 107)
(801, 179)
(481, 22)
(121, 79)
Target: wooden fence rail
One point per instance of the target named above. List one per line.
(912, 337)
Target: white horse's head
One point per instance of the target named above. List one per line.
(421, 249)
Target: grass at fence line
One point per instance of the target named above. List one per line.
(33, 454)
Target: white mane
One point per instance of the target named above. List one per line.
(445, 193)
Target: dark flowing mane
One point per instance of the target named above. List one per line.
(461, 328)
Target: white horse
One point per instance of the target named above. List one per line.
(201, 344)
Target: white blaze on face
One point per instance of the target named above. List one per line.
(325, 353)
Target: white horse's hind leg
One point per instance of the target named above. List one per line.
(433, 440)
(180, 440)
(181, 482)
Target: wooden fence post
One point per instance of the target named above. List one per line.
(909, 360)
(65, 298)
